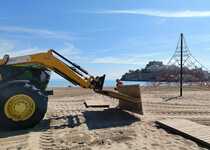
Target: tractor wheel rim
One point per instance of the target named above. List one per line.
(19, 107)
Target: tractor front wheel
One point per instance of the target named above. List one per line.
(22, 106)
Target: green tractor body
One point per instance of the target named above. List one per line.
(37, 75)
(23, 96)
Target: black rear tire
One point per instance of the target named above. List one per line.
(35, 94)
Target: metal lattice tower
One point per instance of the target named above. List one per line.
(188, 59)
(183, 57)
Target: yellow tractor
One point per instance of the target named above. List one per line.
(23, 82)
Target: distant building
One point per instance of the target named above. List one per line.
(157, 71)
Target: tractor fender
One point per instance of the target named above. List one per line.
(6, 84)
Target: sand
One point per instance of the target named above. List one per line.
(69, 125)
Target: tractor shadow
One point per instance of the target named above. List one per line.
(44, 125)
(93, 119)
(108, 119)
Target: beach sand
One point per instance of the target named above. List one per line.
(68, 124)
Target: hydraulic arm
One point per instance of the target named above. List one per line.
(69, 70)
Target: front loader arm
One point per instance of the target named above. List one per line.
(73, 73)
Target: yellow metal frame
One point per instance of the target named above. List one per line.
(53, 63)
(48, 60)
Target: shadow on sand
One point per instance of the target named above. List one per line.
(108, 118)
(94, 120)
(44, 125)
(171, 98)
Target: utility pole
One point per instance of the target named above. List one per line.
(181, 66)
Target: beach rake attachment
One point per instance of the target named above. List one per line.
(129, 97)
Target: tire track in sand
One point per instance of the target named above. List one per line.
(8, 142)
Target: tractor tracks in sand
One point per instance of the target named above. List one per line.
(194, 112)
(176, 109)
(8, 142)
(62, 117)
(64, 126)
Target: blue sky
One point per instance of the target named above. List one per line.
(110, 36)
